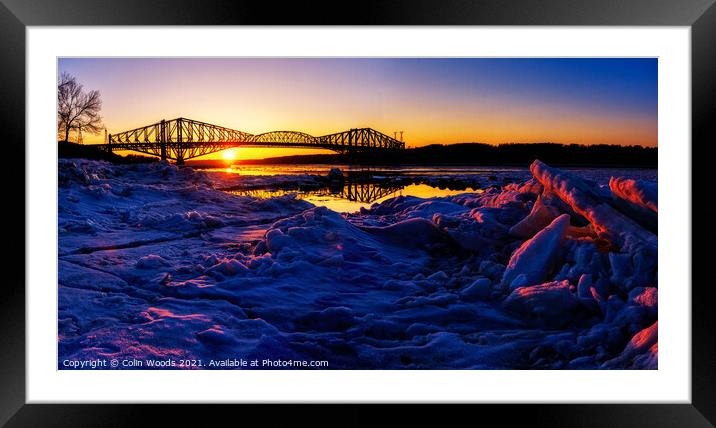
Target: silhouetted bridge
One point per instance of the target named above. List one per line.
(182, 139)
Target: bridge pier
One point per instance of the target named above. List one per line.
(180, 161)
(163, 139)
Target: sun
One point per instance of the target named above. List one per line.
(229, 154)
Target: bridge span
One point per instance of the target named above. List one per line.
(181, 139)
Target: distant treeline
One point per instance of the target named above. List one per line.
(485, 154)
(517, 154)
(74, 150)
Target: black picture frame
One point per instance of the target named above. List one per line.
(16, 15)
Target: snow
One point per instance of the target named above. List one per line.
(158, 263)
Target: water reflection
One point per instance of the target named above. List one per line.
(351, 195)
(365, 192)
(321, 169)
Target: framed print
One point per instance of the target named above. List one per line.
(444, 204)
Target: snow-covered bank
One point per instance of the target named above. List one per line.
(157, 264)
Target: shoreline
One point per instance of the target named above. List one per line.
(504, 156)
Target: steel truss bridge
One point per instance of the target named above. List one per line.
(181, 139)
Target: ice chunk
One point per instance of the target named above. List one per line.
(521, 281)
(529, 186)
(636, 199)
(411, 231)
(480, 289)
(551, 303)
(427, 209)
(492, 270)
(536, 257)
(649, 360)
(639, 192)
(229, 267)
(540, 216)
(584, 285)
(505, 199)
(589, 201)
(633, 270)
(579, 260)
(152, 261)
(646, 297)
(644, 344)
(480, 232)
(214, 337)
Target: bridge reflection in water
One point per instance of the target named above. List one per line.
(350, 190)
(366, 192)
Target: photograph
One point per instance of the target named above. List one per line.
(357, 213)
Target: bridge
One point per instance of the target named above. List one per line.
(181, 139)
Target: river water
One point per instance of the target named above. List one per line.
(377, 184)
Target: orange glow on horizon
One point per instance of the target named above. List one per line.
(440, 101)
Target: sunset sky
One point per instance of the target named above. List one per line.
(433, 100)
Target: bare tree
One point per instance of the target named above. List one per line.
(77, 109)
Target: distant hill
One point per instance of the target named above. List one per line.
(484, 154)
